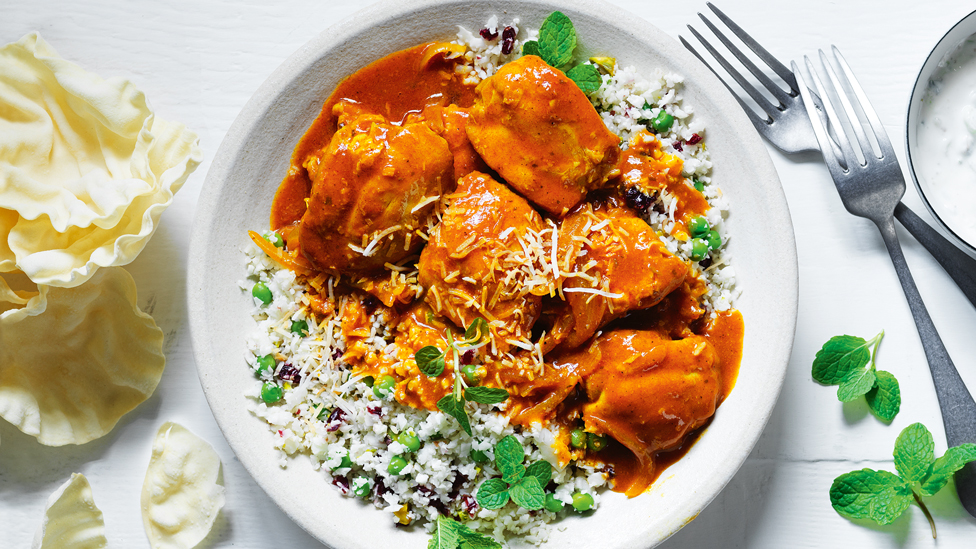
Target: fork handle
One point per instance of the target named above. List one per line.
(958, 406)
(957, 263)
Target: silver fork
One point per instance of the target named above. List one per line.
(787, 127)
(871, 189)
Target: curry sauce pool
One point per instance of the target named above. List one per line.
(477, 236)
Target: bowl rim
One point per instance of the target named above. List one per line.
(388, 11)
(929, 66)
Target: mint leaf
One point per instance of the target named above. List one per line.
(477, 331)
(430, 360)
(447, 535)
(914, 453)
(838, 357)
(493, 494)
(857, 383)
(557, 39)
(528, 493)
(877, 495)
(587, 77)
(541, 470)
(474, 540)
(455, 408)
(885, 398)
(508, 458)
(485, 395)
(953, 460)
(531, 48)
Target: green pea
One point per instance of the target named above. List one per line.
(299, 327)
(595, 442)
(662, 122)
(397, 463)
(271, 393)
(553, 504)
(275, 239)
(362, 488)
(410, 440)
(384, 386)
(578, 438)
(699, 227)
(714, 240)
(368, 380)
(582, 502)
(478, 456)
(699, 249)
(323, 414)
(471, 375)
(266, 365)
(699, 185)
(345, 463)
(261, 291)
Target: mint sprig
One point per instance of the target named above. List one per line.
(849, 362)
(432, 362)
(556, 44)
(451, 534)
(523, 485)
(882, 496)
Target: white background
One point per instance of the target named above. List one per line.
(199, 61)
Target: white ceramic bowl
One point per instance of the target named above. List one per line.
(253, 159)
(934, 201)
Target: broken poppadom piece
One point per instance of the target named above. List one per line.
(71, 520)
(180, 496)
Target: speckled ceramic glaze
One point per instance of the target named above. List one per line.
(255, 155)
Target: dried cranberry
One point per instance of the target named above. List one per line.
(695, 139)
(370, 303)
(341, 483)
(608, 469)
(425, 490)
(467, 357)
(379, 488)
(469, 504)
(375, 409)
(338, 414)
(487, 34)
(637, 200)
(508, 40)
(290, 374)
(387, 440)
(459, 481)
(677, 146)
(705, 262)
(441, 508)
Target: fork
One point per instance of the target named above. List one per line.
(871, 189)
(788, 128)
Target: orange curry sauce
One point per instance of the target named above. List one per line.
(630, 366)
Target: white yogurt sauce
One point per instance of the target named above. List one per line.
(945, 158)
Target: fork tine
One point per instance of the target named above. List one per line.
(879, 133)
(777, 92)
(848, 107)
(761, 52)
(836, 160)
(759, 98)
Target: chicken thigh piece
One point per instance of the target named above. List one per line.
(613, 263)
(372, 187)
(649, 393)
(475, 264)
(536, 128)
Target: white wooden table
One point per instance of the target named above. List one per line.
(200, 60)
